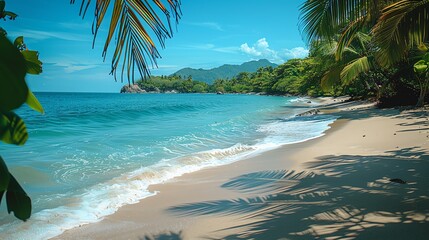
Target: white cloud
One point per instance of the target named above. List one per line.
(249, 50)
(212, 47)
(42, 35)
(226, 49)
(262, 43)
(212, 25)
(65, 64)
(72, 67)
(261, 49)
(298, 52)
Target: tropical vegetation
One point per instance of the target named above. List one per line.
(363, 48)
(369, 36)
(15, 62)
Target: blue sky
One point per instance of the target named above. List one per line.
(210, 33)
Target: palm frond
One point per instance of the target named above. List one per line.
(352, 70)
(348, 35)
(130, 22)
(323, 49)
(331, 77)
(321, 19)
(222, 207)
(266, 181)
(402, 25)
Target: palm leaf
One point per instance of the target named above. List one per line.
(13, 88)
(222, 207)
(348, 35)
(352, 70)
(4, 176)
(322, 19)
(402, 25)
(34, 65)
(331, 77)
(17, 200)
(327, 48)
(266, 181)
(12, 129)
(34, 103)
(130, 21)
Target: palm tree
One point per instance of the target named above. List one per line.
(395, 26)
(130, 21)
(401, 26)
(356, 59)
(323, 19)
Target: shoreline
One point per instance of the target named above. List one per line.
(165, 214)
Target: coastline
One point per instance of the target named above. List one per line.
(190, 206)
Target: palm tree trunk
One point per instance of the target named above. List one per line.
(378, 88)
(423, 90)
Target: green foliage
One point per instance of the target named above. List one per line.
(17, 200)
(13, 90)
(172, 83)
(295, 77)
(15, 62)
(4, 177)
(129, 23)
(422, 66)
(4, 13)
(33, 103)
(12, 129)
(368, 36)
(226, 71)
(32, 62)
(19, 43)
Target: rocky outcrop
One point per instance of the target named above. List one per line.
(132, 89)
(309, 113)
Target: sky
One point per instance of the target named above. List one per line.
(210, 33)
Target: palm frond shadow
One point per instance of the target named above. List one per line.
(163, 236)
(366, 113)
(347, 195)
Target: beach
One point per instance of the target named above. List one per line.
(366, 178)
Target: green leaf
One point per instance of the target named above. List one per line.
(3, 32)
(1, 195)
(11, 15)
(17, 200)
(34, 65)
(422, 47)
(426, 58)
(4, 176)
(13, 89)
(12, 129)
(330, 78)
(19, 42)
(2, 5)
(34, 103)
(355, 67)
(420, 67)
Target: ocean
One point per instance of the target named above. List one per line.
(91, 153)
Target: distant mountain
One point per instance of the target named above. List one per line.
(224, 71)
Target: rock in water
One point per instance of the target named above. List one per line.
(398, 180)
(309, 113)
(132, 89)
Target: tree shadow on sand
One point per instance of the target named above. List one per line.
(163, 236)
(340, 197)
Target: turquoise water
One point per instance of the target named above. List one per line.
(92, 153)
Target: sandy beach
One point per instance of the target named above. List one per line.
(366, 178)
